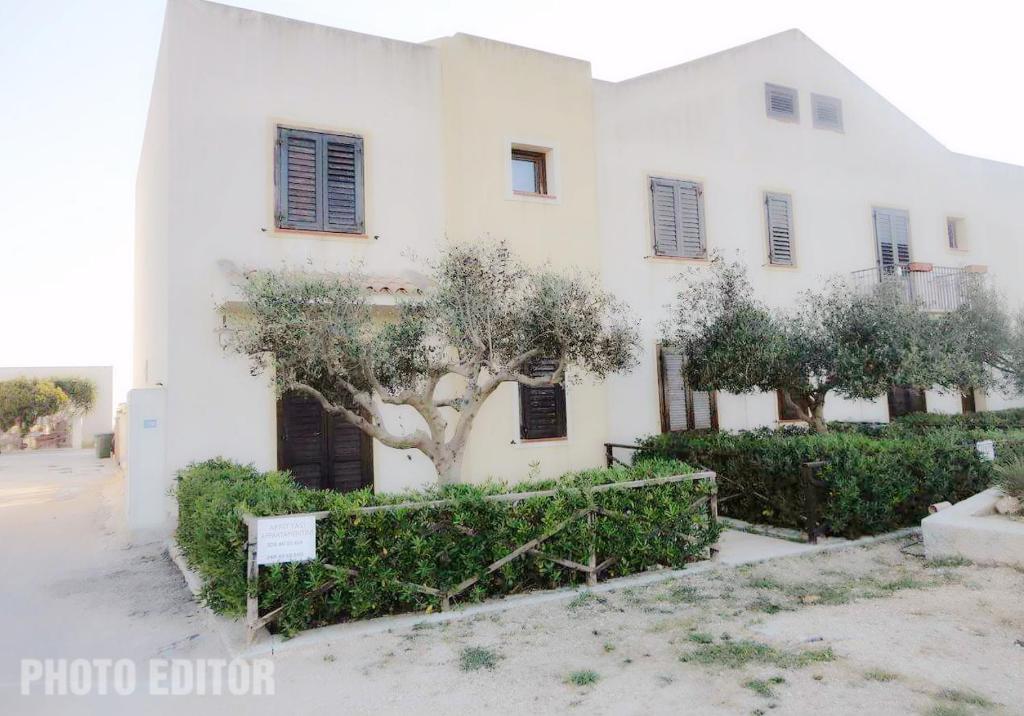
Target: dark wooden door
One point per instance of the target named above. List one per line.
(321, 450)
(904, 400)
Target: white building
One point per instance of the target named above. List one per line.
(431, 142)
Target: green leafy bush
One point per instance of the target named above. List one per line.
(984, 420)
(437, 546)
(873, 484)
(1010, 476)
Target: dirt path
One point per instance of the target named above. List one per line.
(873, 630)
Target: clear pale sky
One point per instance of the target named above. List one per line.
(75, 78)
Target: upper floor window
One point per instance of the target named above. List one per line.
(319, 181)
(678, 218)
(782, 102)
(827, 112)
(529, 171)
(779, 216)
(954, 233)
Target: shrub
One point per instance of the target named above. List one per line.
(437, 546)
(985, 420)
(1010, 477)
(873, 484)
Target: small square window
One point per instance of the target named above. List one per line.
(828, 112)
(529, 172)
(788, 413)
(782, 103)
(954, 233)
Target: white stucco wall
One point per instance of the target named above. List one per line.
(438, 121)
(98, 420)
(705, 121)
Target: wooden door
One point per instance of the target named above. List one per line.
(321, 450)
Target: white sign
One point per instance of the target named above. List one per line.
(285, 539)
(986, 449)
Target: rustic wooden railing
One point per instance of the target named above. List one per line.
(254, 620)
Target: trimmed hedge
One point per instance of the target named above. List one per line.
(985, 420)
(874, 484)
(437, 546)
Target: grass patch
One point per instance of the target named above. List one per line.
(764, 582)
(683, 594)
(763, 687)
(947, 562)
(609, 647)
(965, 697)
(584, 677)
(585, 599)
(474, 658)
(701, 637)
(880, 675)
(949, 710)
(734, 654)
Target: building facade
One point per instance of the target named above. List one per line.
(275, 143)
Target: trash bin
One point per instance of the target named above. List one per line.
(103, 444)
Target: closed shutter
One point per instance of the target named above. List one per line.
(780, 228)
(343, 184)
(541, 410)
(904, 400)
(682, 408)
(892, 232)
(322, 451)
(319, 181)
(678, 218)
(675, 406)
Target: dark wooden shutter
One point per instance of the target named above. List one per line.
(343, 184)
(299, 165)
(541, 410)
(322, 451)
(892, 232)
(905, 399)
(319, 181)
(778, 208)
(678, 218)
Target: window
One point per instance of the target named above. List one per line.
(541, 410)
(682, 408)
(787, 413)
(782, 103)
(678, 218)
(954, 233)
(779, 213)
(892, 234)
(827, 112)
(529, 172)
(906, 399)
(319, 181)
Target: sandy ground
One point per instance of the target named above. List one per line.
(872, 630)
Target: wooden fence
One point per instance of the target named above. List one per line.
(591, 569)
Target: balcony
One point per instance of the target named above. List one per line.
(935, 288)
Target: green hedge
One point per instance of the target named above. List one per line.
(432, 546)
(874, 484)
(985, 420)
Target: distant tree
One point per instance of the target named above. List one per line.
(81, 394)
(835, 340)
(24, 400)
(481, 324)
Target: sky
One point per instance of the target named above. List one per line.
(75, 79)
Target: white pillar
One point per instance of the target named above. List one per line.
(148, 505)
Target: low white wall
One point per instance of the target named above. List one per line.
(972, 530)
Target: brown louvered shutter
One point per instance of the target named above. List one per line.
(778, 208)
(319, 181)
(541, 410)
(678, 218)
(298, 180)
(343, 184)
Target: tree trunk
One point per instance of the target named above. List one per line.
(449, 466)
(817, 422)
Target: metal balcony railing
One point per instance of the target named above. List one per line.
(935, 288)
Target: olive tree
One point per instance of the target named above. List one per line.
(834, 340)
(485, 318)
(24, 400)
